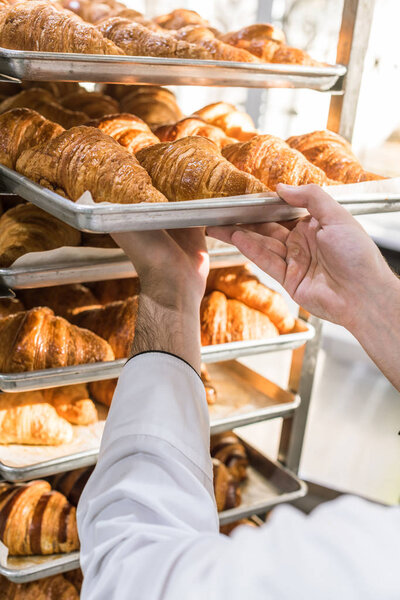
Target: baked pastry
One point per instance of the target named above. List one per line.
(240, 283)
(192, 168)
(180, 17)
(224, 321)
(64, 300)
(76, 578)
(20, 129)
(155, 105)
(229, 527)
(26, 418)
(333, 154)
(26, 228)
(193, 126)
(273, 161)
(36, 339)
(236, 123)
(98, 240)
(227, 448)
(211, 392)
(115, 322)
(93, 104)
(58, 89)
(115, 289)
(50, 588)
(72, 402)
(226, 490)
(84, 158)
(10, 306)
(103, 391)
(44, 26)
(45, 104)
(34, 519)
(136, 39)
(215, 49)
(71, 483)
(90, 10)
(128, 130)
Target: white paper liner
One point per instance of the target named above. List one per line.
(380, 186)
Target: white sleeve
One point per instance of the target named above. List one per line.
(149, 528)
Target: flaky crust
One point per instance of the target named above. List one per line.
(103, 391)
(192, 168)
(128, 130)
(115, 289)
(215, 48)
(180, 17)
(193, 126)
(49, 588)
(236, 123)
(72, 403)
(64, 300)
(85, 159)
(227, 448)
(93, 104)
(155, 105)
(226, 490)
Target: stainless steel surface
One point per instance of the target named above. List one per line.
(45, 378)
(94, 270)
(29, 568)
(53, 66)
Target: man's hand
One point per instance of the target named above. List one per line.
(172, 267)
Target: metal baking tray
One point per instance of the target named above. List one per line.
(243, 397)
(268, 484)
(93, 270)
(53, 66)
(45, 378)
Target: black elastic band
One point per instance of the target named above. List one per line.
(164, 352)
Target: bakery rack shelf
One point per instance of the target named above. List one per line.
(18, 65)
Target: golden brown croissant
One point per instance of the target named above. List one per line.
(34, 519)
(56, 587)
(226, 490)
(128, 130)
(234, 122)
(227, 448)
(26, 418)
(115, 322)
(20, 129)
(333, 154)
(71, 483)
(84, 158)
(224, 321)
(64, 300)
(45, 104)
(155, 105)
(211, 392)
(26, 228)
(93, 104)
(90, 11)
(36, 339)
(192, 168)
(193, 126)
(116, 289)
(216, 49)
(72, 402)
(76, 578)
(10, 306)
(179, 18)
(273, 161)
(103, 391)
(45, 27)
(58, 89)
(240, 283)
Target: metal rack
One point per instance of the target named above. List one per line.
(353, 40)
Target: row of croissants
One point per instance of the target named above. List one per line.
(136, 146)
(108, 27)
(26, 531)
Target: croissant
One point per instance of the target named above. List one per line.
(155, 105)
(216, 49)
(273, 161)
(211, 392)
(20, 129)
(43, 26)
(128, 130)
(116, 289)
(224, 321)
(26, 228)
(34, 519)
(10, 306)
(84, 158)
(71, 483)
(229, 527)
(72, 402)
(136, 39)
(193, 168)
(193, 126)
(234, 122)
(45, 104)
(26, 418)
(103, 391)
(36, 339)
(179, 18)
(115, 322)
(226, 490)
(58, 89)
(90, 11)
(50, 588)
(93, 104)
(64, 300)
(239, 283)
(333, 154)
(227, 448)
(76, 578)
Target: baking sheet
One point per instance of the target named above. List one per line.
(45, 378)
(268, 484)
(243, 397)
(58, 66)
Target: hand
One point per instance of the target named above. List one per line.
(327, 263)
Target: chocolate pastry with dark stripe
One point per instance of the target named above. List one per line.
(71, 483)
(34, 519)
(227, 448)
(226, 489)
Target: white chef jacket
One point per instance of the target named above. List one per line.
(148, 523)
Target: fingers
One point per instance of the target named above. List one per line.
(261, 250)
(223, 234)
(319, 204)
(272, 230)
